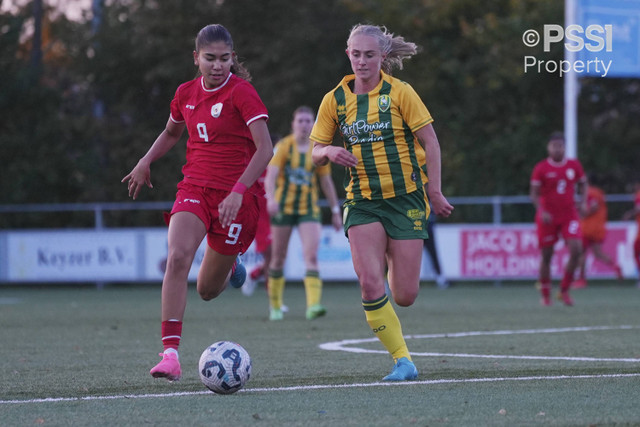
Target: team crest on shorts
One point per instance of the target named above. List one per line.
(415, 214)
(216, 109)
(384, 102)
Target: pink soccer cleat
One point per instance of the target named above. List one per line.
(545, 294)
(565, 298)
(168, 368)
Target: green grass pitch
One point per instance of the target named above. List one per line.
(487, 355)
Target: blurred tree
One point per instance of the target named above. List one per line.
(38, 141)
(103, 91)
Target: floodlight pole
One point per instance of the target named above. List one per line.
(571, 88)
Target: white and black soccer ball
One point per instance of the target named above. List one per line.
(225, 367)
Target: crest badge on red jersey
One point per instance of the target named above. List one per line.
(571, 174)
(216, 109)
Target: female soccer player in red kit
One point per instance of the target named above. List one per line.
(553, 183)
(228, 149)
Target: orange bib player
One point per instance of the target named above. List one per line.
(594, 231)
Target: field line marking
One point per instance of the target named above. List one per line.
(322, 387)
(342, 344)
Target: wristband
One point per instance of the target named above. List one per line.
(335, 209)
(239, 188)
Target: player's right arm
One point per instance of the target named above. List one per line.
(534, 194)
(322, 136)
(141, 173)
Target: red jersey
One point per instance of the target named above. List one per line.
(220, 145)
(557, 186)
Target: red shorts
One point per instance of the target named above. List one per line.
(568, 228)
(263, 234)
(203, 202)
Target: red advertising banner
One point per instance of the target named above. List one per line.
(512, 252)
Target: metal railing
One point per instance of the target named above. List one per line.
(98, 208)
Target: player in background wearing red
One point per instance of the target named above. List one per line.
(228, 148)
(263, 241)
(554, 183)
(635, 212)
(593, 224)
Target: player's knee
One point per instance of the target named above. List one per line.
(208, 294)
(405, 298)
(178, 260)
(368, 280)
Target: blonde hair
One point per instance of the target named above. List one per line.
(218, 33)
(395, 48)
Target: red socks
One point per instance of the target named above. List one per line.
(567, 278)
(171, 334)
(545, 288)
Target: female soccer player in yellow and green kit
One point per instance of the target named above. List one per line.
(292, 201)
(386, 131)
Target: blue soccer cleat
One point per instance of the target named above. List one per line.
(403, 370)
(238, 273)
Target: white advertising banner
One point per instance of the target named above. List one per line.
(334, 256)
(78, 255)
(466, 252)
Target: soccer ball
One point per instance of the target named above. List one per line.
(225, 367)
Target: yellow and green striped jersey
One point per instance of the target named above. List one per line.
(297, 183)
(377, 127)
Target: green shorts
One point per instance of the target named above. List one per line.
(403, 217)
(293, 220)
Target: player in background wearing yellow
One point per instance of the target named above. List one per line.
(635, 213)
(292, 201)
(593, 223)
(228, 149)
(384, 125)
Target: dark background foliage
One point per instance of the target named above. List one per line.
(83, 102)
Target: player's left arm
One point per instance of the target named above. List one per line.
(427, 137)
(229, 207)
